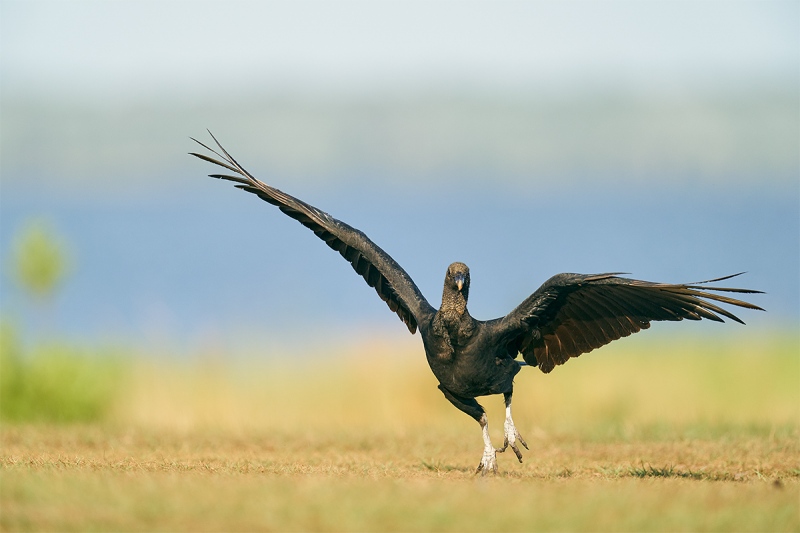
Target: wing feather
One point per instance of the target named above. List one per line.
(572, 314)
(393, 285)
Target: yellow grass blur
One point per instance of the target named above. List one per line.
(633, 386)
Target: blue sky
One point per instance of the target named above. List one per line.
(659, 138)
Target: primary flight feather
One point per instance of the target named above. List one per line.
(570, 314)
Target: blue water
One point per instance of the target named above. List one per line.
(209, 261)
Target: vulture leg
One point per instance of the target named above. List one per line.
(512, 435)
(473, 408)
(489, 459)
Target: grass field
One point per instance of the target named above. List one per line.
(655, 434)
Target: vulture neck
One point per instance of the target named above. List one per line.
(452, 322)
(454, 304)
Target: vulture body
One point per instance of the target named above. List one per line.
(570, 314)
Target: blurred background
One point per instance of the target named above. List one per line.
(523, 138)
(172, 349)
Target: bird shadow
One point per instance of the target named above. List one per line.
(439, 467)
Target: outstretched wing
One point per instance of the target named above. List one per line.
(379, 270)
(573, 314)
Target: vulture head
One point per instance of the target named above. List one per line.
(457, 280)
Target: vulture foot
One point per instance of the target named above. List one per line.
(488, 462)
(511, 438)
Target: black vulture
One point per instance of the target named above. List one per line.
(570, 314)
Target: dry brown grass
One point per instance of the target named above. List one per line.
(682, 439)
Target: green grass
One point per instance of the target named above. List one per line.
(56, 382)
(651, 435)
(208, 502)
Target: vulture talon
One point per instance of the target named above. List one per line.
(488, 463)
(511, 435)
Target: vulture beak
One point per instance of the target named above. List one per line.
(459, 279)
